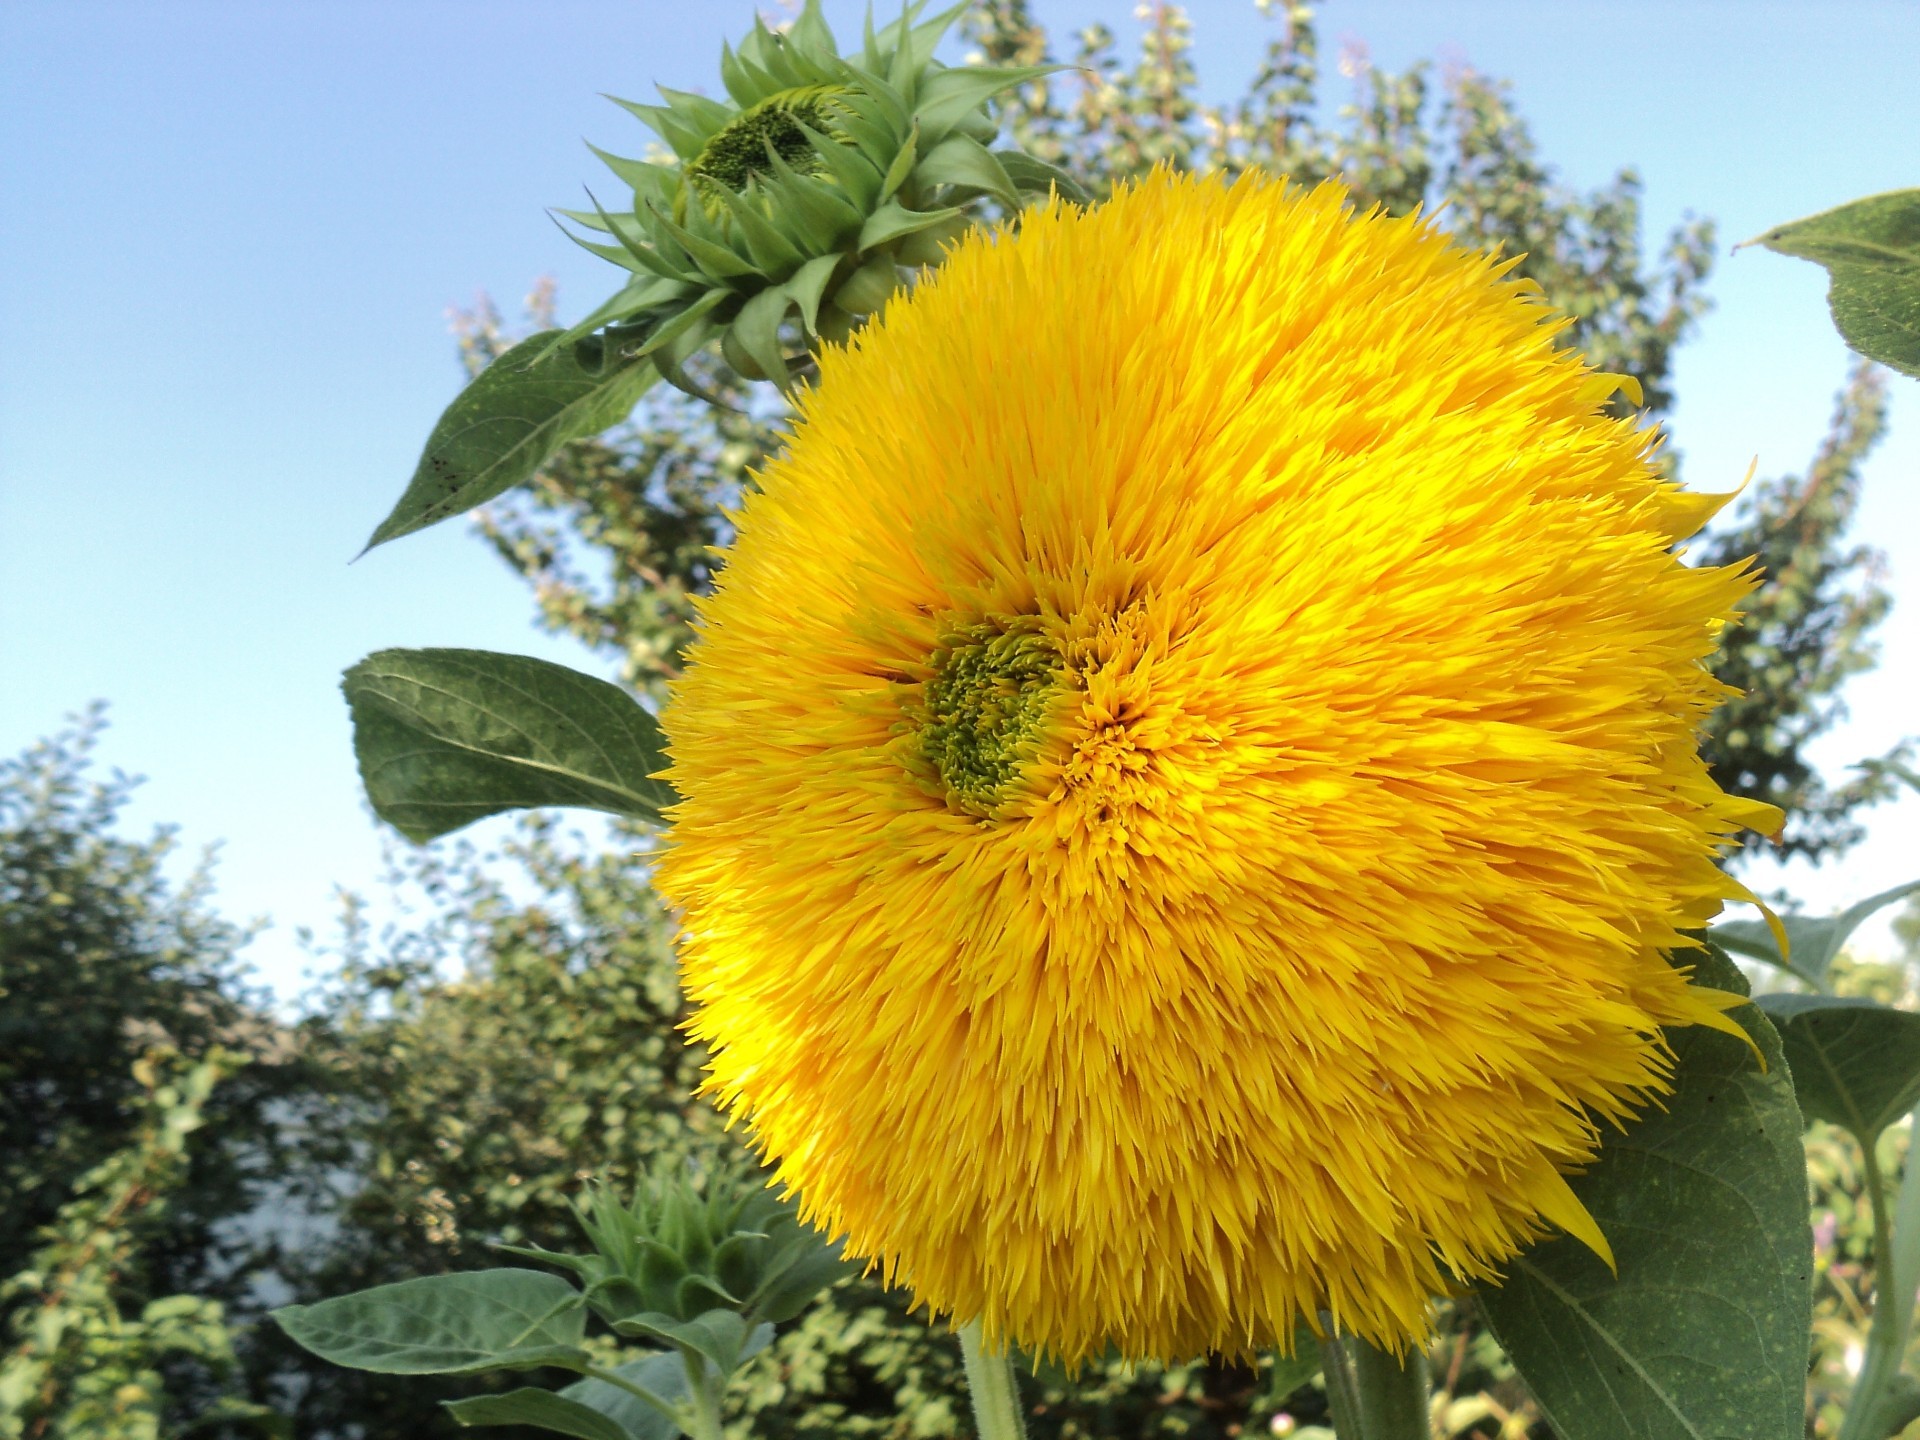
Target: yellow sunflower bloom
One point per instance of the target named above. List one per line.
(1190, 777)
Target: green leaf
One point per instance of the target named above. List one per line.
(528, 1406)
(1290, 1372)
(1037, 175)
(662, 1376)
(1871, 250)
(447, 737)
(504, 425)
(948, 96)
(892, 220)
(447, 1324)
(1855, 1063)
(1812, 941)
(1702, 1335)
(958, 160)
(722, 1336)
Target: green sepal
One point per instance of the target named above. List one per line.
(706, 114)
(903, 162)
(655, 182)
(808, 285)
(684, 138)
(714, 259)
(757, 330)
(872, 136)
(829, 216)
(1037, 176)
(893, 220)
(957, 160)
(948, 96)
(632, 299)
(775, 255)
(856, 175)
(644, 256)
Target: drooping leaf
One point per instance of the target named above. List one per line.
(545, 1409)
(447, 737)
(722, 1336)
(1702, 1335)
(447, 1324)
(663, 1376)
(503, 426)
(1812, 940)
(1871, 251)
(1856, 1063)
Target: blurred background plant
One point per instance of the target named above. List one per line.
(457, 1079)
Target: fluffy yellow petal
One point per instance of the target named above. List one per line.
(1190, 777)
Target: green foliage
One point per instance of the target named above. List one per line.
(1871, 250)
(447, 1324)
(1804, 633)
(705, 1275)
(446, 737)
(1813, 942)
(77, 1367)
(102, 960)
(504, 424)
(1703, 1330)
(1855, 1062)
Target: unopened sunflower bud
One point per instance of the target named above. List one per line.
(791, 204)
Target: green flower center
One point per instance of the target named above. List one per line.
(983, 708)
(737, 153)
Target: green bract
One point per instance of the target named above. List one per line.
(801, 196)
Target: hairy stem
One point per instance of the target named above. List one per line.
(1375, 1394)
(992, 1386)
(1893, 1293)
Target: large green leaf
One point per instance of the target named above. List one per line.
(1855, 1063)
(548, 1411)
(504, 425)
(1702, 1335)
(1812, 940)
(662, 1376)
(1871, 249)
(446, 737)
(447, 1324)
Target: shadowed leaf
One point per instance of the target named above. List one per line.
(447, 1324)
(1855, 1063)
(1702, 1335)
(447, 737)
(509, 419)
(1871, 250)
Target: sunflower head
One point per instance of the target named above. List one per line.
(1184, 826)
(792, 207)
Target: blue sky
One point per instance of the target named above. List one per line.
(233, 229)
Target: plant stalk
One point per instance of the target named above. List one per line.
(993, 1388)
(1893, 1289)
(704, 1384)
(1375, 1394)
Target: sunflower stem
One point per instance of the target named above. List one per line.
(704, 1384)
(1375, 1394)
(993, 1387)
(1893, 1291)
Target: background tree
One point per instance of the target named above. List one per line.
(103, 959)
